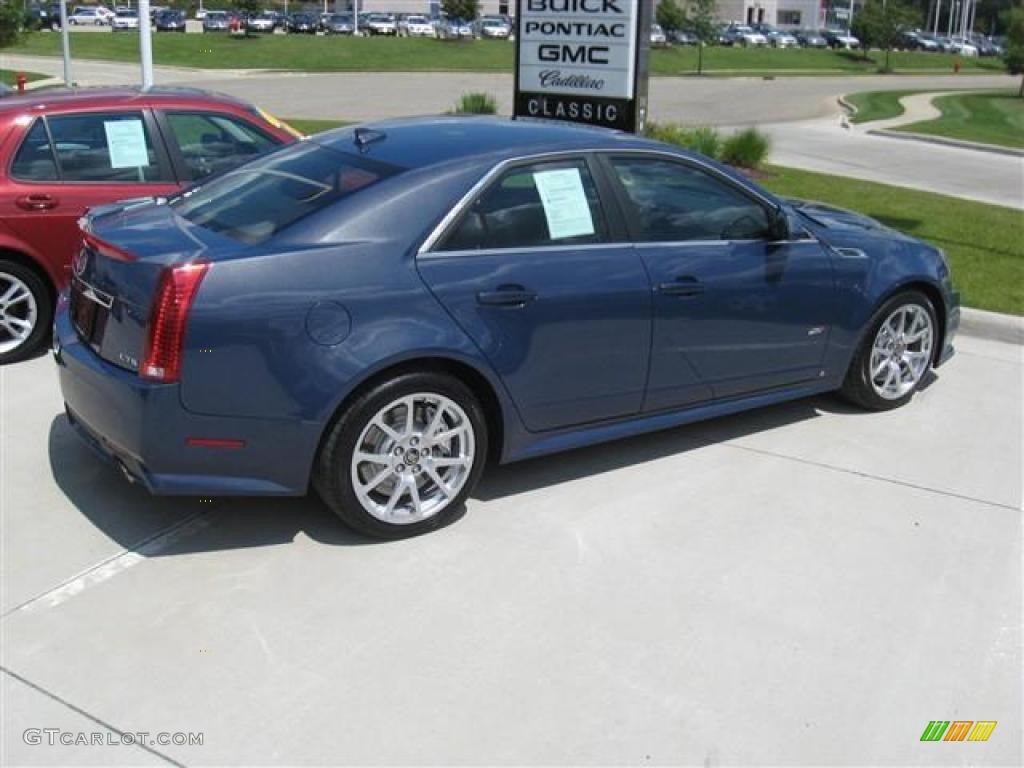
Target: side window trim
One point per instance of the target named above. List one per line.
(41, 120)
(162, 161)
(606, 157)
(432, 245)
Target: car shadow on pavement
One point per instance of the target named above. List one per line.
(140, 522)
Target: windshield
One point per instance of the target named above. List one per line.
(264, 197)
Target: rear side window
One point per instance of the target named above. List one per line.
(104, 148)
(34, 160)
(553, 203)
(212, 143)
(255, 202)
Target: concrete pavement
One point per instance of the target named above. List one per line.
(806, 584)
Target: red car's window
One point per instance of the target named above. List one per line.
(34, 160)
(211, 143)
(104, 148)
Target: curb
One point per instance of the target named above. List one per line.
(992, 326)
(908, 136)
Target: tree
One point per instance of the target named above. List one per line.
(700, 19)
(1014, 55)
(467, 10)
(11, 19)
(880, 23)
(670, 15)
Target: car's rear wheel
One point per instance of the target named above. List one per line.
(895, 355)
(26, 311)
(403, 457)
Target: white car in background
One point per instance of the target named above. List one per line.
(125, 20)
(658, 35)
(87, 17)
(415, 26)
(493, 28)
(741, 34)
(963, 47)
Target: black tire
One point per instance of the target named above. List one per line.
(857, 386)
(40, 291)
(331, 474)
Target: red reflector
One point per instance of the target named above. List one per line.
(106, 249)
(166, 333)
(213, 442)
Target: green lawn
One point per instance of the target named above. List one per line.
(7, 76)
(991, 117)
(328, 54)
(308, 126)
(876, 105)
(984, 243)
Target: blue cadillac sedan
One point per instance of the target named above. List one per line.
(375, 312)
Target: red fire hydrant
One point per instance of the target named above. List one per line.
(20, 79)
(956, 66)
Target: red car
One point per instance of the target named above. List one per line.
(62, 152)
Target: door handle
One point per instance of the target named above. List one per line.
(36, 202)
(683, 286)
(506, 296)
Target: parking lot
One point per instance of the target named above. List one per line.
(806, 583)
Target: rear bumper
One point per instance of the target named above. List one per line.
(143, 428)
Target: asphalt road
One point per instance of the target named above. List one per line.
(806, 584)
(801, 113)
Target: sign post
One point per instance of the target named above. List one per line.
(583, 61)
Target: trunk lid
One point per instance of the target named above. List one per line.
(125, 249)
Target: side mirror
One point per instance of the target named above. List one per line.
(778, 226)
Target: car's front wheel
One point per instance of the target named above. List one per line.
(403, 457)
(26, 311)
(895, 355)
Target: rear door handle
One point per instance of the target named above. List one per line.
(506, 296)
(36, 202)
(682, 286)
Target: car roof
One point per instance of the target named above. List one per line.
(427, 141)
(68, 99)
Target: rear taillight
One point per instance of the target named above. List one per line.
(166, 332)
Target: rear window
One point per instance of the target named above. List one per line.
(255, 202)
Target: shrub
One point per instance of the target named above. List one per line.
(12, 17)
(746, 149)
(704, 139)
(476, 104)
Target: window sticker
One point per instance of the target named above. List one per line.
(126, 143)
(565, 203)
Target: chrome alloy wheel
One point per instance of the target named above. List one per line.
(901, 351)
(18, 312)
(413, 458)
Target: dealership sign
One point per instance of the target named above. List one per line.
(584, 61)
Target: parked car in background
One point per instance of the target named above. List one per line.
(493, 28)
(297, 324)
(381, 24)
(776, 37)
(200, 14)
(170, 21)
(125, 20)
(963, 47)
(339, 24)
(415, 26)
(454, 29)
(683, 37)
(303, 23)
(216, 21)
(986, 46)
(915, 40)
(811, 38)
(67, 151)
(741, 34)
(841, 38)
(87, 16)
(262, 22)
(658, 36)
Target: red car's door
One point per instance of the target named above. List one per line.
(66, 163)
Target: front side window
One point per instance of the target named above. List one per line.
(554, 203)
(104, 148)
(675, 202)
(212, 143)
(255, 202)
(34, 160)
